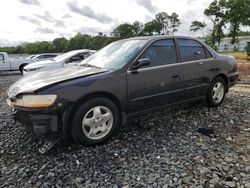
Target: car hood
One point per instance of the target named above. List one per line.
(33, 82)
(40, 64)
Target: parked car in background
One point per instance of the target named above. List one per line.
(7, 64)
(41, 57)
(90, 101)
(68, 59)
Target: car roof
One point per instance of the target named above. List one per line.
(155, 37)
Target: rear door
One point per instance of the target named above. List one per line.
(4, 63)
(158, 84)
(199, 66)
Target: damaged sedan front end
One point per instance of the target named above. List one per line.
(36, 102)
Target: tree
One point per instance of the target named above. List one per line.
(79, 41)
(198, 26)
(99, 41)
(162, 19)
(174, 22)
(123, 31)
(217, 13)
(138, 26)
(152, 27)
(60, 44)
(238, 14)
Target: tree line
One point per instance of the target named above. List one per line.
(225, 15)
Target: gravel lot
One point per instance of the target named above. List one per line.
(165, 150)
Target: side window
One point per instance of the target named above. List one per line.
(76, 58)
(40, 57)
(191, 50)
(50, 56)
(161, 52)
(208, 54)
(84, 55)
(1, 57)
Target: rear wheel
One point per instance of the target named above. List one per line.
(95, 121)
(216, 92)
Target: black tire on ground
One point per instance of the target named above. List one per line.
(21, 67)
(77, 132)
(211, 102)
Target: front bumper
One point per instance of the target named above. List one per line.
(38, 123)
(45, 121)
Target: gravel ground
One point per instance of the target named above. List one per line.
(165, 150)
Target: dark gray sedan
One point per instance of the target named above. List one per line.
(89, 102)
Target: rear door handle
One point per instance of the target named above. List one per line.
(200, 63)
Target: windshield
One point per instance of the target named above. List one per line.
(65, 56)
(115, 55)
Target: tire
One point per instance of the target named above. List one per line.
(92, 126)
(216, 96)
(21, 67)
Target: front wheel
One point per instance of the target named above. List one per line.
(95, 121)
(216, 92)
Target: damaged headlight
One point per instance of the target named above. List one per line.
(33, 101)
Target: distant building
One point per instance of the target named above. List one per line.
(226, 46)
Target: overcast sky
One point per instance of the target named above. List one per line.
(35, 20)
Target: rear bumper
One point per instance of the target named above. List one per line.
(233, 78)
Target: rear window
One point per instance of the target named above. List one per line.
(192, 50)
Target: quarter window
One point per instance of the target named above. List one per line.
(192, 50)
(161, 52)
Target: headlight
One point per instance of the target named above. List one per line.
(33, 69)
(34, 101)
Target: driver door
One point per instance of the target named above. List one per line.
(158, 84)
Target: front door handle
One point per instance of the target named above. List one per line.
(176, 76)
(200, 63)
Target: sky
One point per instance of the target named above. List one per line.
(37, 20)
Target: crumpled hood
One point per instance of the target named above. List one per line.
(33, 82)
(40, 64)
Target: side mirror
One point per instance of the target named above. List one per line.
(141, 63)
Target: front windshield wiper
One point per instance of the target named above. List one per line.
(89, 65)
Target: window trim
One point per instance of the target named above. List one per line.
(179, 51)
(139, 55)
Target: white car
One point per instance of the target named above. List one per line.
(41, 57)
(7, 64)
(71, 58)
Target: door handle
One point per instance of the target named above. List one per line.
(176, 75)
(200, 63)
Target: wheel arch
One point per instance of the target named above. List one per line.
(225, 78)
(67, 126)
(22, 66)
